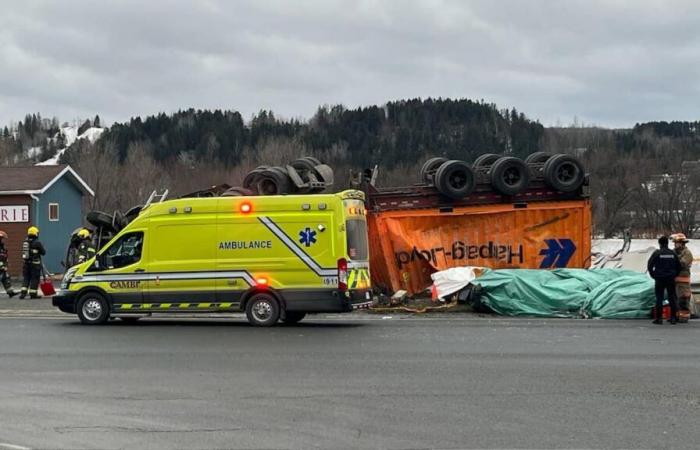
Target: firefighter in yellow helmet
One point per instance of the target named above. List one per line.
(4, 276)
(85, 249)
(32, 251)
(683, 291)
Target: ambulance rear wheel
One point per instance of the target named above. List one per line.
(93, 309)
(292, 317)
(262, 310)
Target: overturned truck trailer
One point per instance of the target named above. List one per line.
(416, 230)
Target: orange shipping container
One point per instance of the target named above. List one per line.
(407, 246)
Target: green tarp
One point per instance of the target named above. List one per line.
(571, 293)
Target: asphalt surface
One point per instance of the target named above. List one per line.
(349, 381)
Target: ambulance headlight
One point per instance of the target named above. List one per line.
(67, 277)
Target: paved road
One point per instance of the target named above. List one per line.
(356, 381)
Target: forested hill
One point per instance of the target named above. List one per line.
(193, 149)
(398, 131)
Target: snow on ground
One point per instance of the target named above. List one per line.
(70, 135)
(53, 161)
(33, 152)
(92, 134)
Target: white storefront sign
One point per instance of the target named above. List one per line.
(14, 213)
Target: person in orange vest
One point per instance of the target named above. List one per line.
(683, 291)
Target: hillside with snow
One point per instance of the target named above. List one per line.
(69, 137)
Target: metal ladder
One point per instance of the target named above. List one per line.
(155, 195)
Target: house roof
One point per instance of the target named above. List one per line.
(37, 179)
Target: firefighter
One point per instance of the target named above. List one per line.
(32, 251)
(683, 291)
(85, 249)
(4, 276)
(664, 267)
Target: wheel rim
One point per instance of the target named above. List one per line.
(566, 173)
(262, 310)
(457, 180)
(512, 176)
(92, 309)
(268, 187)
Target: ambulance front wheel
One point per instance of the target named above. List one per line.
(262, 310)
(93, 309)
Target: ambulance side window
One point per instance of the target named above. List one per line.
(124, 252)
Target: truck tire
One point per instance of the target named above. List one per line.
(93, 309)
(509, 175)
(455, 179)
(251, 179)
(427, 172)
(237, 192)
(564, 173)
(292, 317)
(100, 220)
(273, 181)
(303, 165)
(485, 161)
(538, 158)
(262, 310)
(119, 220)
(312, 160)
(133, 212)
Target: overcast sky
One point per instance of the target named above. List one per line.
(611, 63)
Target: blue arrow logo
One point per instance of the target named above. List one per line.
(558, 253)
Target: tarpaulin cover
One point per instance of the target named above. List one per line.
(571, 293)
(407, 246)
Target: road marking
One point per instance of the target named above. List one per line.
(4, 445)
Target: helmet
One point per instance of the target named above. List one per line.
(32, 231)
(3, 235)
(680, 237)
(84, 233)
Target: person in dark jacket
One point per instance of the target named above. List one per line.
(4, 276)
(664, 266)
(32, 251)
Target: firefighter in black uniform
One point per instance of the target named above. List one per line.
(4, 276)
(664, 266)
(32, 251)
(85, 249)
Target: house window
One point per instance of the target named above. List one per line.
(53, 212)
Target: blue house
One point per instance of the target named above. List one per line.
(49, 197)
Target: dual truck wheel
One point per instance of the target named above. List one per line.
(266, 180)
(506, 174)
(262, 310)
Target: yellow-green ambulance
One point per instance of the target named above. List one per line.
(274, 257)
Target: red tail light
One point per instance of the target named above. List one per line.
(343, 274)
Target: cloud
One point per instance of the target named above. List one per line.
(612, 63)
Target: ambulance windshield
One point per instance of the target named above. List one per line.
(357, 239)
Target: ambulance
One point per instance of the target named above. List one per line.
(273, 257)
